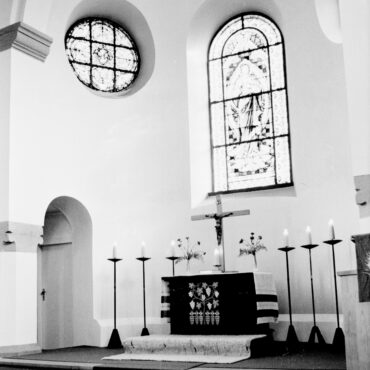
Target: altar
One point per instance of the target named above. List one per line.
(227, 303)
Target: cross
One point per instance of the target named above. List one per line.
(219, 216)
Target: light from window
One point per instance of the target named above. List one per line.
(103, 56)
(248, 106)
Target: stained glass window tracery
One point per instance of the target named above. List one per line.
(102, 54)
(248, 106)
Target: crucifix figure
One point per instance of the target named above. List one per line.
(219, 216)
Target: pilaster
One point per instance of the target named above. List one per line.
(18, 283)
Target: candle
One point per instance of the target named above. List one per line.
(115, 250)
(173, 248)
(286, 238)
(309, 235)
(217, 256)
(143, 249)
(331, 230)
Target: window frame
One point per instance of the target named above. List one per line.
(90, 86)
(257, 188)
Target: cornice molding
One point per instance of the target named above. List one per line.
(26, 39)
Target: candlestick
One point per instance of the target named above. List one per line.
(115, 340)
(145, 330)
(173, 259)
(331, 230)
(292, 339)
(286, 237)
(338, 340)
(309, 235)
(315, 331)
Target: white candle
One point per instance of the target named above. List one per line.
(217, 256)
(286, 237)
(331, 230)
(143, 245)
(309, 235)
(115, 250)
(173, 248)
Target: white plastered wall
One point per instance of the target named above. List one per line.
(321, 159)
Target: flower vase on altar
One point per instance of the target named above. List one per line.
(255, 268)
(252, 246)
(189, 252)
(187, 267)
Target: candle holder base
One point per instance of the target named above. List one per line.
(316, 333)
(115, 340)
(145, 332)
(338, 341)
(218, 267)
(292, 339)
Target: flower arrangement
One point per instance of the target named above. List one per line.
(252, 246)
(189, 252)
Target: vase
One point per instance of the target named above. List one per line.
(188, 267)
(255, 268)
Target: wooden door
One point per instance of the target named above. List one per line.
(57, 300)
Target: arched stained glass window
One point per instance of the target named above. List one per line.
(102, 54)
(248, 106)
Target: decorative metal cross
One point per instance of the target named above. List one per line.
(219, 216)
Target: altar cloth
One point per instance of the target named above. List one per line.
(189, 348)
(215, 299)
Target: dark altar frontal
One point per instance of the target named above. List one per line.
(228, 303)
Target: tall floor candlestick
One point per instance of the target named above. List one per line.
(338, 341)
(315, 331)
(115, 340)
(145, 330)
(173, 259)
(292, 339)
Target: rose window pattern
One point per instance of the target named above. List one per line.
(204, 302)
(102, 54)
(250, 138)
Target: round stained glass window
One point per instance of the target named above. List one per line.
(102, 54)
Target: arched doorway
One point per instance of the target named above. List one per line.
(65, 261)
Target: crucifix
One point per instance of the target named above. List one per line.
(219, 216)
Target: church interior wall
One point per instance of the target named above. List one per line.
(7, 264)
(139, 163)
(4, 133)
(6, 10)
(21, 289)
(355, 25)
(356, 58)
(321, 157)
(18, 263)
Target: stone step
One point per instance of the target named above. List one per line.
(225, 345)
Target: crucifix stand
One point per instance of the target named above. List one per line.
(218, 217)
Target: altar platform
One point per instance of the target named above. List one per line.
(89, 358)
